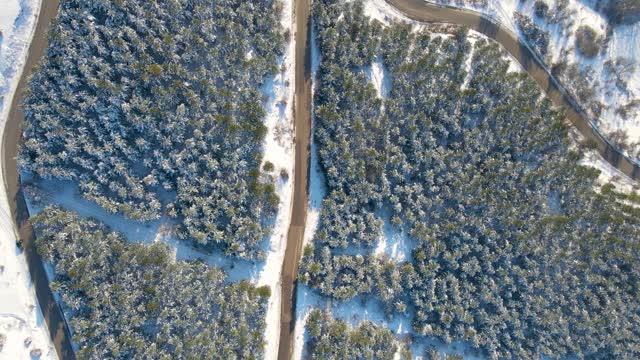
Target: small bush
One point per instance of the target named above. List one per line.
(264, 291)
(268, 166)
(537, 37)
(589, 43)
(284, 175)
(541, 9)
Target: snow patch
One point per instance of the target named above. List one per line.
(279, 150)
(608, 173)
(394, 244)
(359, 309)
(386, 14)
(317, 181)
(380, 77)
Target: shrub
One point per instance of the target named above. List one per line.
(284, 175)
(541, 9)
(538, 38)
(268, 166)
(589, 43)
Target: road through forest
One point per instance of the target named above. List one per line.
(414, 9)
(58, 329)
(422, 11)
(302, 125)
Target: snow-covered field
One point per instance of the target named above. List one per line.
(22, 327)
(621, 42)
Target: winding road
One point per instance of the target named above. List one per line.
(58, 329)
(415, 9)
(422, 11)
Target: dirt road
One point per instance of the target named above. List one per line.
(420, 10)
(302, 123)
(56, 324)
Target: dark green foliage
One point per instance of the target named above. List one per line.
(516, 252)
(268, 166)
(331, 339)
(537, 37)
(264, 291)
(588, 42)
(128, 301)
(154, 105)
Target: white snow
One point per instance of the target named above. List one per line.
(380, 77)
(279, 150)
(385, 13)
(317, 182)
(609, 174)
(20, 316)
(394, 244)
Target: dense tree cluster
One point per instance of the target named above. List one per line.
(433, 354)
(537, 37)
(518, 252)
(127, 301)
(332, 339)
(155, 106)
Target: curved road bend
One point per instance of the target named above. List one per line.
(422, 11)
(302, 124)
(52, 313)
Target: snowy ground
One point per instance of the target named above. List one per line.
(279, 150)
(21, 322)
(621, 42)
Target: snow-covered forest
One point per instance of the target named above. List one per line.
(334, 339)
(175, 114)
(518, 251)
(155, 108)
(132, 301)
(591, 46)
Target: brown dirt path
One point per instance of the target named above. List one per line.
(302, 124)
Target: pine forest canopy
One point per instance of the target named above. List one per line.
(155, 107)
(518, 252)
